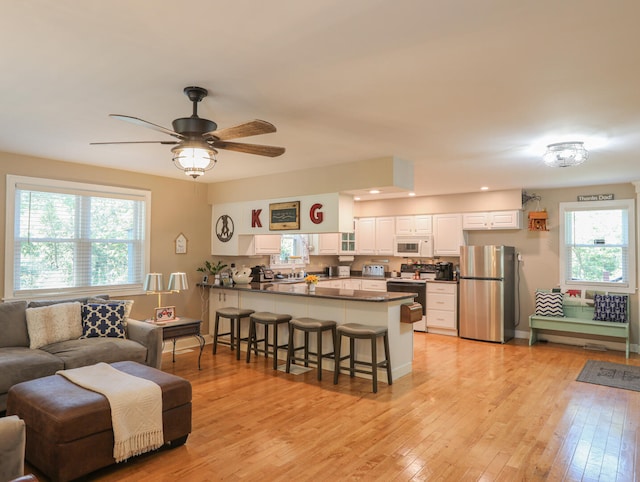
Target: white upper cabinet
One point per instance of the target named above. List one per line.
(266, 244)
(347, 243)
(418, 225)
(326, 243)
(492, 220)
(375, 236)
(448, 235)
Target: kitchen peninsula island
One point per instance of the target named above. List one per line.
(340, 305)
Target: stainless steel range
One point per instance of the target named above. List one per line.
(413, 279)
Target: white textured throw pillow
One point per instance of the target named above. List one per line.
(53, 323)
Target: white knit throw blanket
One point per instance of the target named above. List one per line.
(136, 407)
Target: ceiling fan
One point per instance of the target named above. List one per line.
(198, 139)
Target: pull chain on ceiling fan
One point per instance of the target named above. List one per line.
(198, 139)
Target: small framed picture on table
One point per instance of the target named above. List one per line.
(165, 313)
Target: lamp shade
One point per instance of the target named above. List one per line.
(178, 282)
(154, 282)
(194, 157)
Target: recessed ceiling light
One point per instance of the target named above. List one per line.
(412, 194)
(357, 198)
(484, 188)
(374, 191)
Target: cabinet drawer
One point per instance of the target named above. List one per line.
(448, 288)
(443, 319)
(441, 301)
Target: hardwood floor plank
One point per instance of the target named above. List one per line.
(469, 411)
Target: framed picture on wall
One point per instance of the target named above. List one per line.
(283, 216)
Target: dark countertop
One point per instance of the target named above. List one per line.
(300, 289)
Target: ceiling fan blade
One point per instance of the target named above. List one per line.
(135, 142)
(148, 125)
(269, 151)
(252, 128)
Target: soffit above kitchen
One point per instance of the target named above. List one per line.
(470, 92)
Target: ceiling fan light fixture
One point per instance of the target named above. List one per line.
(194, 157)
(565, 154)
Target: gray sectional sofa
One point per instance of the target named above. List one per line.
(19, 362)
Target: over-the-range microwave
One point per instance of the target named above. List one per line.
(414, 246)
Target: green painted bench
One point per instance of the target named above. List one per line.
(578, 319)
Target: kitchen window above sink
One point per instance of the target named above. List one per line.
(294, 252)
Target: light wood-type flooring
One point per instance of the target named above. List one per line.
(469, 411)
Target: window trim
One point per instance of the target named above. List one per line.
(629, 205)
(13, 181)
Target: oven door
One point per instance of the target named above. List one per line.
(420, 288)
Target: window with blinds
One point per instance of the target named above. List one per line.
(68, 238)
(597, 249)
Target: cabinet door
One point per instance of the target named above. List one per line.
(366, 236)
(506, 219)
(328, 243)
(385, 227)
(374, 285)
(351, 284)
(475, 221)
(347, 243)
(424, 224)
(266, 244)
(448, 234)
(405, 225)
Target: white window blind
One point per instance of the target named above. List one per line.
(65, 238)
(597, 249)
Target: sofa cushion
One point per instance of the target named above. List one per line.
(103, 320)
(19, 364)
(13, 324)
(128, 304)
(40, 303)
(54, 323)
(88, 351)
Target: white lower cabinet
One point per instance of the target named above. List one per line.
(352, 284)
(374, 285)
(219, 298)
(442, 308)
(331, 283)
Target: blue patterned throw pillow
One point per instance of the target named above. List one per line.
(103, 320)
(549, 304)
(610, 308)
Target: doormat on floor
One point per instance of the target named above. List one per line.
(295, 369)
(611, 375)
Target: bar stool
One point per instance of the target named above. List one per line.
(234, 315)
(310, 325)
(357, 331)
(266, 319)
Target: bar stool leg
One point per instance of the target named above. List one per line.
(352, 357)
(386, 354)
(306, 348)
(319, 335)
(252, 339)
(237, 341)
(336, 366)
(290, 350)
(215, 334)
(374, 363)
(275, 347)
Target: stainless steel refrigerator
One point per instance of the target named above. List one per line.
(487, 293)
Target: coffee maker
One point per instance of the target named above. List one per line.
(444, 271)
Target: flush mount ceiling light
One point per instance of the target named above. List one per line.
(565, 154)
(194, 157)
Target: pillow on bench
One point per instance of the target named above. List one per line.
(549, 304)
(610, 308)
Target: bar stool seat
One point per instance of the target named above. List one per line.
(235, 315)
(310, 325)
(266, 319)
(356, 331)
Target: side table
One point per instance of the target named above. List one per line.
(181, 328)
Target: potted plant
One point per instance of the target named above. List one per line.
(211, 269)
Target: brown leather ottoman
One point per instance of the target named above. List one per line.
(69, 430)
